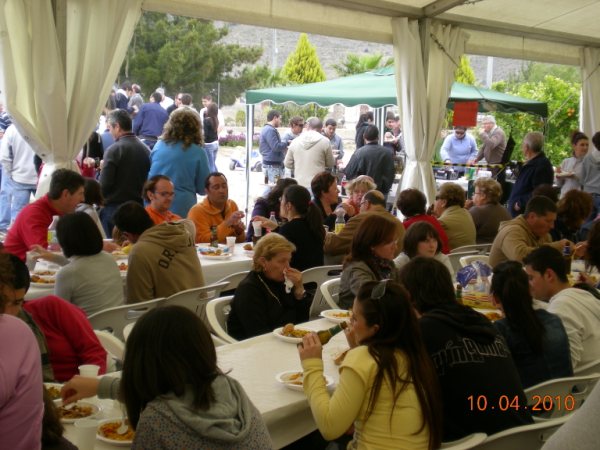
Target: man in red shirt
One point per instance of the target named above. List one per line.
(31, 225)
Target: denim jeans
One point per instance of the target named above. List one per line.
(5, 201)
(19, 195)
(211, 151)
(106, 218)
(273, 172)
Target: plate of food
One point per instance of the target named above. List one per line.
(43, 280)
(107, 432)
(123, 266)
(336, 315)
(290, 333)
(54, 392)
(208, 252)
(564, 174)
(294, 380)
(491, 314)
(78, 410)
(248, 249)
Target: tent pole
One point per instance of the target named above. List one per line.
(249, 143)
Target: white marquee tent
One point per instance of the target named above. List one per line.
(60, 57)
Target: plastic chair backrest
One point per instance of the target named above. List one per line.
(216, 311)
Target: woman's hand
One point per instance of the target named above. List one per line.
(79, 387)
(311, 347)
(265, 223)
(45, 254)
(580, 249)
(349, 209)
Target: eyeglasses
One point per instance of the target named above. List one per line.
(379, 290)
(165, 194)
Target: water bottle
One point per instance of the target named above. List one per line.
(273, 218)
(340, 222)
(53, 244)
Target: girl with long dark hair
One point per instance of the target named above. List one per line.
(536, 338)
(269, 203)
(388, 387)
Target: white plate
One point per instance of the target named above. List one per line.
(249, 253)
(206, 247)
(95, 411)
(102, 438)
(292, 340)
(283, 378)
(42, 285)
(223, 256)
(329, 314)
(57, 401)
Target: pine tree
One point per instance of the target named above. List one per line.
(303, 65)
(464, 72)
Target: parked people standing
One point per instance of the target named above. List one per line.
(272, 148)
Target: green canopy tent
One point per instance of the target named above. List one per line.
(378, 89)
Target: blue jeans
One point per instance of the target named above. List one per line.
(273, 172)
(106, 218)
(5, 201)
(211, 152)
(20, 196)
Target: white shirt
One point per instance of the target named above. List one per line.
(17, 157)
(580, 313)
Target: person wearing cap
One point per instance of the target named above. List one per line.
(459, 147)
(493, 141)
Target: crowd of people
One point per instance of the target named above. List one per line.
(416, 353)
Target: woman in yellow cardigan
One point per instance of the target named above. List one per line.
(388, 387)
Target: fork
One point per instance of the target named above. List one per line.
(124, 427)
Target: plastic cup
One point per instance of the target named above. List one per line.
(89, 370)
(85, 433)
(31, 260)
(257, 228)
(230, 243)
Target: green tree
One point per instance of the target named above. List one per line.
(563, 104)
(302, 65)
(355, 64)
(185, 55)
(464, 72)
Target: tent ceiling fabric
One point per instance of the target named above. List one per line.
(541, 30)
(378, 89)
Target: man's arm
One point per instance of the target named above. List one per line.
(108, 174)
(572, 325)
(139, 120)
(352, 168)
(274, 142)
(140, 286)
(473, 145)
(289, 159)
(329, 159)
(445, 149)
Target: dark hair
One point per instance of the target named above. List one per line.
(64, 179)
(574, 207)
(592, 252)
(321, 183)
(411, 202)
(131, 217)
(540, 205)
(273, 198)
(364, 117)
(544, 258)
(7, 277)
(78, 235)
(428, 282)
(186, 99)
(157, 96)
(20, 273)
(296, 120)
(371, 133)
(372, 231)
(398, 329)
(168, 350)
(92, 192)
(210, 175)
(207, 97)
(52, 428)
(577, 136)
(121, 117)
(126, 85)
(374, 197)
(272, 114)
(547, 190)
(212, 114)
(511, 286)
(331, 122)
(419, 232)
(299, 197)
(596, 140)
(150, 185)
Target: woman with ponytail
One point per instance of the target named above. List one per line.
(303, 227)
(536, 338)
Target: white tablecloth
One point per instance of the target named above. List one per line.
(254, 363)
(212, 269)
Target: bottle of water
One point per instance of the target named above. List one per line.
(273, 218)
(340, 222)
(53, 244)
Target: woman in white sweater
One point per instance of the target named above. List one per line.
(91, 279)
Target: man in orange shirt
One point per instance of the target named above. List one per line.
(217, 210)
(159, 191)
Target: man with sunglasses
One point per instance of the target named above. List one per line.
(458, 148)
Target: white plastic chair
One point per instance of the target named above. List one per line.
(479, 248)
(216, 311)
(558, 390)
(456, 257)
(233, 280)
(526, 437)
(115, 319)
(319, 275)
(330, 290)
(466, 260)
(465, 443)
(196, 299)
(115, 349)
(587, 369)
